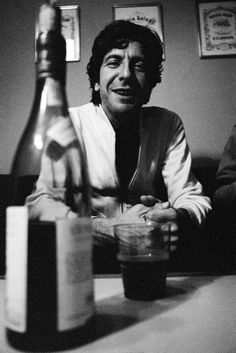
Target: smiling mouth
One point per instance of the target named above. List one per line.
(124, 92)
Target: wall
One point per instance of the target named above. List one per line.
(201, 91)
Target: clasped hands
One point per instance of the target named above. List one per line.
(152, 210)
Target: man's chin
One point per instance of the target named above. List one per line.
(127, 107)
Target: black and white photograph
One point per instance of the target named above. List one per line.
(118, 176)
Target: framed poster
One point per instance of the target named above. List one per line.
(70, 29)
(217, 28)
(149, 15)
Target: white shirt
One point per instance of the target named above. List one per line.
(170, 156)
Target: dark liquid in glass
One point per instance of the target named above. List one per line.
(144, 280)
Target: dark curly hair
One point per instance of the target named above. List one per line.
(118, 34)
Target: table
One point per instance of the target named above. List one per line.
(198, 315)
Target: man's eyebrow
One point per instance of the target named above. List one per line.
(119, 56)
(112, 56)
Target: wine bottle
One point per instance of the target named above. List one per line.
(49, 281)
(49, 102)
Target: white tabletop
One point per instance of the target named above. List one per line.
(198, 315)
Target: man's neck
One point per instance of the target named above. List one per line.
(122, 120)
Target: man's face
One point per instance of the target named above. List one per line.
(124, 85)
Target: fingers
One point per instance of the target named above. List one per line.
(162, 213)
(162, 205)
(151, 201)
(139, 209)
(170, 234)
(135, 214)
(173, 243)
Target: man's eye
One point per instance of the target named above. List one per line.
(113, 63)
(140, 66)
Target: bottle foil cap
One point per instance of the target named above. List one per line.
(49, 17)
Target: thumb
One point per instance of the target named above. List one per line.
(149, 200)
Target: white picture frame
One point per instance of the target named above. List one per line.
(70, 28)
(217, 28)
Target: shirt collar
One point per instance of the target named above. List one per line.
(102, 115)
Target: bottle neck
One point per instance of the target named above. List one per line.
(51, 52)
(52, 92)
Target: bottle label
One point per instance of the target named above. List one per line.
(75, 272)
(75, 298)
(16, 245)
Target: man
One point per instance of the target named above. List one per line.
(139, 162)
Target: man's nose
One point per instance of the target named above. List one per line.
(125, 71)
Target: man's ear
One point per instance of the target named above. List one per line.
(96, 87)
